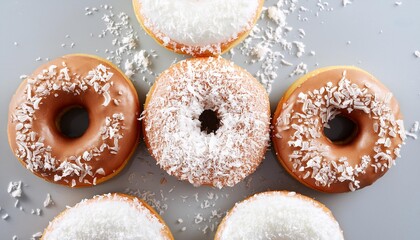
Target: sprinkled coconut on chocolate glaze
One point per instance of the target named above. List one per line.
(55, 82)
(305, 119)
(172, 126)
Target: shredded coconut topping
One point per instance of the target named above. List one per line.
(172, 123)
(276, 215)
(106, 217)
(31, 148)
(206, 25)
(319, 106)
(15, 189)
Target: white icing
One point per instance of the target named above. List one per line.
(109, 217)
(198, 22)
(277, 215)
(172, 123)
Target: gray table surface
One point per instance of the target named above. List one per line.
(376, 35)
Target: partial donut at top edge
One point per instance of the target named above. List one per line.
(198, 28)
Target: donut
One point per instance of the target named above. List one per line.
(311, 103)
(103, 150)
(219, 153)
(198, 28)
(110, 216)
(279, 215)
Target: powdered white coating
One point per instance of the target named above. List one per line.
(172, 125)
(198, 23)
(110, 217)
(277, 215)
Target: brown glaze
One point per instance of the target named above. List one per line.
(362, 144)
(62, 147)
(190, 50)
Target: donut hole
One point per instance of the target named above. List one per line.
(210, 121)
(73, 121)
(342, 130)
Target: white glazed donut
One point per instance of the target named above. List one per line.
(279, 215)
(199, 28)
(110, 216)
(173, 130)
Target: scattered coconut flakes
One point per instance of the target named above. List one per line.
(300, 69)
(209, 217)
(260, 43)
(5, 216)
(15, 189)
(397, 4)
(151, 198)
(286, 63)
(346, 3)
(36, 211)
(36, 236)
(417, 54)
(413, 130)
(14, 237)
(16, 43)
(126, 41)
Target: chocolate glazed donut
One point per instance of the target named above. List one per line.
(306, 109)
(67, 82)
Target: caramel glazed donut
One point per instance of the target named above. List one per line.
(279, 215)
(110, 216)
(74, 80)
(198, 28)
(315, 99)
(176, 138)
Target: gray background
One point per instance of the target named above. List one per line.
(390, 209)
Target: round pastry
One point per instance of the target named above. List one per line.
(110, 216)
(279, 215)
(71, 81)
(311, 103)
(207, 121)
(198, 28)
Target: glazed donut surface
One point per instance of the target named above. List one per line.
(315, 99)
(171, 122)
(279, 215)
(110, 216)
(198, 28)
(74, 81)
